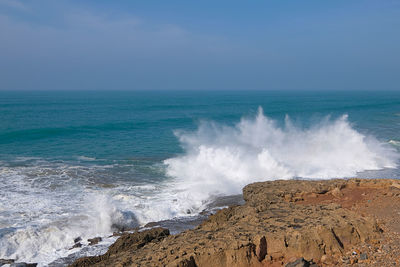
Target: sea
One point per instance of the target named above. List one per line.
(88, 163)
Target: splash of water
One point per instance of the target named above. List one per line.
(220, 159)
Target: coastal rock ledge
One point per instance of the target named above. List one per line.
(282, 223)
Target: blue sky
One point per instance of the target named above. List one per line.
(199, 45)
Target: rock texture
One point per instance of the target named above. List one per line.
(122, 247)
(282, 223)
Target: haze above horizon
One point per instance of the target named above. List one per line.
(181, 45)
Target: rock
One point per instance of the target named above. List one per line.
(279, 220)
(336, 192)
(127, 242)
(137, 240)
(301, 262)
(353, 260)
(187, 263)
(77, 245)
(23, 264)
(346, 260)
(261, 248)
(363, 256)
(6, 261)
(76, 240)
(94, 241)
(324, 258)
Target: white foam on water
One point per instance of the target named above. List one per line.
(84, 158)
(220, 159)
(394, 142)
(44, 207)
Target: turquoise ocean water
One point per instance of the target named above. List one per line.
(86, 163)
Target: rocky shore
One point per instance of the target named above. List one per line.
(282, 223)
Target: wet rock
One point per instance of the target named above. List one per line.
(151, 224)
(117, 234)
(127, 242)
(94, 241)
(6, 261)
(134, 241)
(23, 264)
(77, 245)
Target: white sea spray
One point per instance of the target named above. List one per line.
(221, 159)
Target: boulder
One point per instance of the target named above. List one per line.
(94, 241)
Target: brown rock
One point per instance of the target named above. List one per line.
(280, 221)
(353, 260)
(127, 242)
(187, 263)
(137, 240)
(336, 192)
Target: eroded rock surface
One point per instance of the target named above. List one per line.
(322, 222)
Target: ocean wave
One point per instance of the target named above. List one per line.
(45, 205)
(85, 158)
(221, 159)
(394, 142)
(48, 240)
(46, 132)
(53, 203)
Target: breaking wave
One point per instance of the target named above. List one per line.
(221, 159)
(394, 142)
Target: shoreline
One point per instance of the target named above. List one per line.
(314, 223)
(174, 225)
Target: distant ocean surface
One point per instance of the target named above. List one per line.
(82, 164)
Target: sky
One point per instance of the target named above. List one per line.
(199, 45)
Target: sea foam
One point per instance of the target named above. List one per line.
(221, 159)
